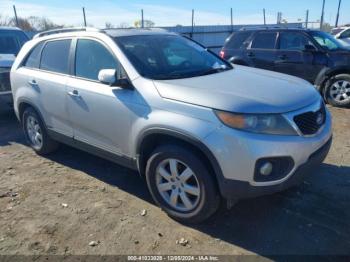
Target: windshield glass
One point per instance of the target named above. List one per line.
(169, 57)
(327, 41)
(11, 41)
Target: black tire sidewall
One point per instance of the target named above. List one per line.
(328, 89)
(209, 198)
(46, 145)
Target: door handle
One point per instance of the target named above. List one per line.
(32, 83)
(250, 54)
(282, 57)
(74, 93)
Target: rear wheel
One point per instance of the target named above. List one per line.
(181, 184)
(338, 90)
(36, 134)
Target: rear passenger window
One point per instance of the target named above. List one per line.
(264, 40)
(90, 57)
(55, 56)
(33, 59)
(237, 40)
(293, 41)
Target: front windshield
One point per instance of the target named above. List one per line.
(327, 41)
(11, 41)
(169, 57)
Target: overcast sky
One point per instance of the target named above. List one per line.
(170, 13)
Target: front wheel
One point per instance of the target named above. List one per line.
(338, 90)
(181, 185)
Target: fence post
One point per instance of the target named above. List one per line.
(337, 19)
(307, 18)
(264, 16)
(192, 29)
(322, 15)
(84, 16)
(231, 20)
(16, 18)
(142, 21)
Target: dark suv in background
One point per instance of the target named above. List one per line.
(309, 54)
(11, 41)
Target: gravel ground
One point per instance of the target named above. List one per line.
(74, 203)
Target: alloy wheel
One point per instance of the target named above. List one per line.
(340, 91)
(178, 185)
(34, 132)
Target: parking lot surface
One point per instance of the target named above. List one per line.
(74, 203)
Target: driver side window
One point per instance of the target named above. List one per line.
(293, 41)
(91, 57)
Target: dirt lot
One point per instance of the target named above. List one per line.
(59, 204)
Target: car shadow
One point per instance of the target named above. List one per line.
(311, 219)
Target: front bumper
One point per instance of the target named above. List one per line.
(234, 189)
(238, 152)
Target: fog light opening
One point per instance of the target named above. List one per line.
(266, 169)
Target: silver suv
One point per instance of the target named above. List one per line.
(197, 128)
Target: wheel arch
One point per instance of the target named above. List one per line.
(151, 138)
(328, 73)
(23, 104)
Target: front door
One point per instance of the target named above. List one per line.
(98, 113)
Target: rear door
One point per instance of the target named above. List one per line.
(262, 53)
(49, 82)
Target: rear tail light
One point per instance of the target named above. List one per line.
(222, 54)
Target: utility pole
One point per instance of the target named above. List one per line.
(307, 18)
(322, 15)
(264, 16)
(142, 21)
(192, 30)
(337, 19)
(231, 20)
(84, 16)
(14, 10)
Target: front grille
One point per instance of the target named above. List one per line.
(5, 80)
(310, 122)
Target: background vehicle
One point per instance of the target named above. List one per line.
(11, 41)
(342, 34)
(312, 55)
(170, 112)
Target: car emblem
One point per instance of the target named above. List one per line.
(319, 118)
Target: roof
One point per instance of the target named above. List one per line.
(10, 28)
(113, 32)
(275, 29)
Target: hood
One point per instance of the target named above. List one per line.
(242, 90)
(6, 60)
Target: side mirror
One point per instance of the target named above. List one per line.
(309, 48)
(107, 76)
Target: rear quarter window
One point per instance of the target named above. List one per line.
(33, 60)
(264, 40)
(237, 40)
(55, 56)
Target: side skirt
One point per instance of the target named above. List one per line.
(120, 160)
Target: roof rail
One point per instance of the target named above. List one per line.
(269, 27)
(67, 30)
(137, 28)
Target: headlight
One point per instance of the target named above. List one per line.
(258, 123)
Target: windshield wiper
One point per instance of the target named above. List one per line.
(213, 71)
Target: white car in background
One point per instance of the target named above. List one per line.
(342, 34)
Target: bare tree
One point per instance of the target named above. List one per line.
(109, 25)
(123, 25)
(146, 23)
(4, 20)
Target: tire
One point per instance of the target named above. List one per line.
(201, 182)
(39, 141)
(337, 91)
